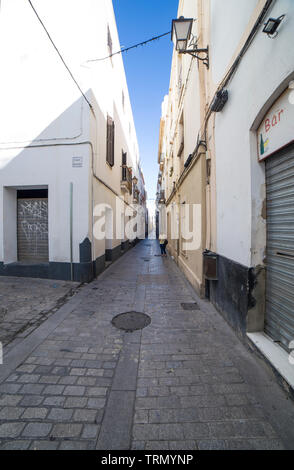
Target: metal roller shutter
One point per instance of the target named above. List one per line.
(32, 229)
(279, 318)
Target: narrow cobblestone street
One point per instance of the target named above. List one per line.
(183, 382)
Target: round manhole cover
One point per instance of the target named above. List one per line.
(131, 321)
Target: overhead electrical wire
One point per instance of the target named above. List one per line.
(61, 58)
(131, 47)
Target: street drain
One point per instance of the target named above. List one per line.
(131, 321)
(190, 306)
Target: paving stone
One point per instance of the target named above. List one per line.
(181, 415)
(169, 432)
(13, 378)
(202, 401)
(32, 389)
(77, 363)
(195, 430)
(45, 370)
(11, 430)
(85, 415)
(11, 413)
(141, 416)
(157, 445)
(74, 390)
(146, 403)
(16, 444)
(138, 445)
(9, 388)
(75, 402)
(66, 430)
(144, 432)
(54, 401)
(44, 445)
(96, 403)
(182, 445)
(90, 431)
(74, 445)
(96, 391)
(29, 368)
(54, 390)
(10, 400)
(29, 378)
(87, 381)
(211, 444)
(37, 430)
(60, 414)
(35, 413)
(77, 371)
(95, 372)
(69, 380)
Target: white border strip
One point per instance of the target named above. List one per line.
(277, 356)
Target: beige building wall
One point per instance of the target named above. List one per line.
(182, 129)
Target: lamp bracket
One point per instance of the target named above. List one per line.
(200, 54)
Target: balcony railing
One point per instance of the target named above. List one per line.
(126, 179)
(136, 194)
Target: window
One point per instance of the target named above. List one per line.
(124, 166)
(123, 100)
(109, 41)
(110, 141)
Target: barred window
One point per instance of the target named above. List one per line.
(110, 141)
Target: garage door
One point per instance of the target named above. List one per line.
(279, 319)
(32, 229)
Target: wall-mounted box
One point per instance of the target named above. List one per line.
(210, 265)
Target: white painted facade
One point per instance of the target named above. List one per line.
(263, 74)
(49, 136)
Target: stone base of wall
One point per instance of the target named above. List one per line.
(232, 293)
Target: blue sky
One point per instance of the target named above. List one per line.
(147, 70)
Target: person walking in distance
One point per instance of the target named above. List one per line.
(163, 242)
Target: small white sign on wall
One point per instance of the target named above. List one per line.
(277, 128)
(77, 162)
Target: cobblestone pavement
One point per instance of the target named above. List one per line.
(25, 303)
(184, 382)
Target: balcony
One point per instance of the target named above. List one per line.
(126, 179)
(161, 197)
(136, 194)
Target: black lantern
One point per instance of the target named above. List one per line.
(181, 33)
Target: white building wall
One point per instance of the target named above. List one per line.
(41, 106)
(240, 177)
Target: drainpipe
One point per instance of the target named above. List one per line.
(71, 228)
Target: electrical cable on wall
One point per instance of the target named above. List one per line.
(131, 47)
(63, 61)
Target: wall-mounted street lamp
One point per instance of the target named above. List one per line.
(271, 26)
(181, 33)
